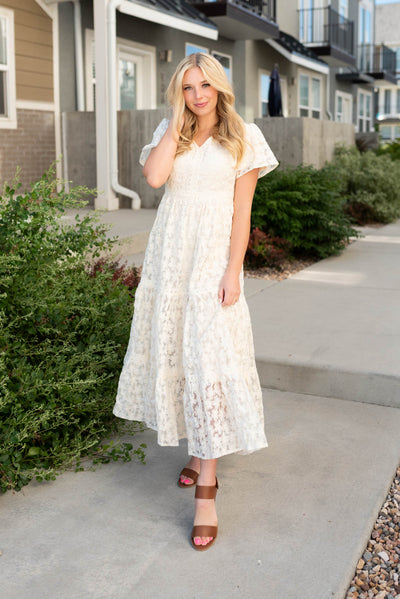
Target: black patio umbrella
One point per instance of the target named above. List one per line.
(274, 94)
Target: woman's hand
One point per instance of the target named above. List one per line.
(229, 288)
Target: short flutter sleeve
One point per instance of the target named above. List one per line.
(157, 136)
(257, 154)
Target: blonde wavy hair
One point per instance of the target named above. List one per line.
(229, 130)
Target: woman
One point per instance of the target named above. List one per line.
(189, 371)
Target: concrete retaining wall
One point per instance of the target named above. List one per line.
(300, 140)
(294, 141)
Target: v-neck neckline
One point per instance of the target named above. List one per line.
(204, 142)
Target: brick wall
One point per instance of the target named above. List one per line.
(31, 146)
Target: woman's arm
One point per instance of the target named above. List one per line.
(158, 166)
(229, 288)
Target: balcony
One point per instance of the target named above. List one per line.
(329, 34)
(378, 61)
(241, 19)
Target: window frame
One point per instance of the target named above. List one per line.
(364, 118)
(387, 101)
(310, 108)
(199, 49)
(266, 73)
(392, 128)
(229, 56)
(346, 97)
(9, 121)
(125, 48)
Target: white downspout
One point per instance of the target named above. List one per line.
(328, 92)
(80, 96)
(112, 105)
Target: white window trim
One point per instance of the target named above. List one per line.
(148, 53)
(283, 82)
(213, 52)
(345, 96)
(124, 46)
(260, 99)
(365, 93)
(310, 107)
(201, 48)
(9, 121)
(392, 132)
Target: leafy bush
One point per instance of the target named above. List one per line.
(369, 184)
(303, 206)
(264, 250)
(63, 335)
(391, 149)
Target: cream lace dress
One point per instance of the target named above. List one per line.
(189, 370)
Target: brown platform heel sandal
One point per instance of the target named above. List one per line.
(190, 474)
(205, 530)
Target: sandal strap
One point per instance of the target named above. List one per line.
(206, 492)
(204, 530)
(190, 474)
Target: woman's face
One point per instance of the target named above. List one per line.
(200, 97)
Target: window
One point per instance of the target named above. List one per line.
(398, 101)
(264, 89)
(364, 104)
(389, 132)
(135, 74)
(226, 62)
(398, 60)
(316, 98)
(387, 101)
(344, 8)
(310, 96)
(344, 103)
(365, 26)
(192, 49)
(304, 100)
(386, 132)
(8, 111)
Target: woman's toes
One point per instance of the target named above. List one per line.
(185, 480)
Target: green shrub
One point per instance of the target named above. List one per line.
(369, 184)
(64, 329)
(303, 206)
(391, 149)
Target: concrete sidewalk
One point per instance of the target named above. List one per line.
(333, 329)
(294, 518)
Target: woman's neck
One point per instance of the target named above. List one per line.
(207, 122)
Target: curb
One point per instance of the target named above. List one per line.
(324, 381)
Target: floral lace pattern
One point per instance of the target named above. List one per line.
(189, 370)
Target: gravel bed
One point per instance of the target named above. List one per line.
(378, 569)
(289, 267)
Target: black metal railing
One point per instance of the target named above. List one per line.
(326, 27)
(263, 8)
(376, 59)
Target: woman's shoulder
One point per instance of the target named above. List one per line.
(252, 132)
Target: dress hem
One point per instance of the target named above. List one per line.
(239, 451)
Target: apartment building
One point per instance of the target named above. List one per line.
(387, 24)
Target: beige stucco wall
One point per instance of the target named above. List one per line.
(287, 17)
(33, 51)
